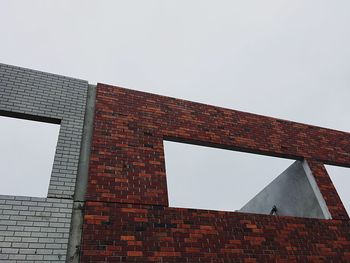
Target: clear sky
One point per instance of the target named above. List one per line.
(282, 58)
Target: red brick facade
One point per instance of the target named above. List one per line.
(127, 218)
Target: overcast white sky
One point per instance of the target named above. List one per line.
(26, 156)
(282, 58)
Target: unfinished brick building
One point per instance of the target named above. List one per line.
(120, 204)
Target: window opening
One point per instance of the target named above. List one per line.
(27, 150)
(215, 179)
(340, 177)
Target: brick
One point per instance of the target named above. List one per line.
(5, 244)
(20, 245)
(135, 253)
(37, 245)
(17, 257)
(30, 239)
(13, 239)
(9, 250)
(34, 257)
(54, 257)
(44, 251)
(27, 251)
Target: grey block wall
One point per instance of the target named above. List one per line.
(48, 95)
(38, 229)
(34, 229)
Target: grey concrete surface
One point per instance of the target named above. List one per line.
(82, 179)
(73, 254)
(292, 193)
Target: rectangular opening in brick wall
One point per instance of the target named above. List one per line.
(216, 179)
(27, 150)
(340, 177)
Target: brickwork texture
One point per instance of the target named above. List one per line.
(34, 229)
(47, 95)
(127, 218)
(126, 214)
(37, 229)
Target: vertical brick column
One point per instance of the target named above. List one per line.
(127, 157)
(327, 189)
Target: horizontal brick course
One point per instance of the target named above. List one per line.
(190, 235)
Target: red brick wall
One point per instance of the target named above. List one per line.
(127, 218)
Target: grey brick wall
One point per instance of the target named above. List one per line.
(48, 95)
(34, 229)
(38, 229)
